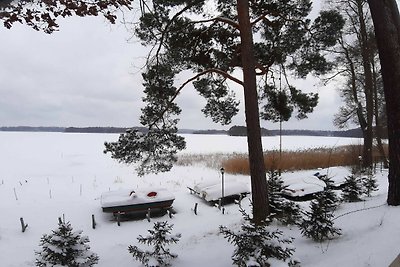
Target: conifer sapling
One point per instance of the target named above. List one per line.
(256, 244)
(160, 236)
(65, 247)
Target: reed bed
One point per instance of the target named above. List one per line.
(286, 160)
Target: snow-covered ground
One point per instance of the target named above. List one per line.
(44, 176)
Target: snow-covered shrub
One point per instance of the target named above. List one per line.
(284, 210)
(255, 244)
(65, 247)
(329, 194)
(160, 236)
(352, 189)
(318, 223)
(369, 183)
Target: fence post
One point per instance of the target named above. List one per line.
(23, 225)
(195, 208)
(148, 214)
(119, 218)
(93, 222)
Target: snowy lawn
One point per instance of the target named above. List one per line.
(44, 176)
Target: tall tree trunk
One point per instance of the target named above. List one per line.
(368, 88)
(385, 15)
(256, 157)
(378, 123)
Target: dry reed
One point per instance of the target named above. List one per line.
(285, 161)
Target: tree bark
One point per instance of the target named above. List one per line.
(256, 157)
(368, 88)
(385, 15)
(378, 123)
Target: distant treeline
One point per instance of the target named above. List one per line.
(233, 131)
(32, 129)
(95, 130)
(242, 131)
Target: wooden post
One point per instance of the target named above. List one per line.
(23, 225)
(119, 218)
(195, 208)
(93, 222)
(15, 194)
(169, 211)
(148, 214)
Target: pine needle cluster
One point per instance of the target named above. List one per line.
(284, 210)
(255, 244)
(65, 247)
(160, 236)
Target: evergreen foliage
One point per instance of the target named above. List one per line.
(160, 236)
(318, 223)
(213, 42)
(192, 36)
(369, 183)
(43, 15)
(352, 189)
(256, 244)
(329, 194)
(284, 210)
(65, 247)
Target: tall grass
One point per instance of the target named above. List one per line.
(286, 161)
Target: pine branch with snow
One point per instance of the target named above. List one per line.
(284, 210)
(160, 236)
(255, 244)
(318, 223)
(352, 189)
(65, 247)
(369, 183)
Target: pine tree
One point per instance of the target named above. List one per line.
(285, 211)
(65, 247)
(318, 223)
(352, 189)
(159, 237)
(328, 192)
(369, 183)
(256, 244)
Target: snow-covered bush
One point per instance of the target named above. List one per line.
(65, 247)
(160, 236)
(352, 189)
(329, 193)
(318, 223)
(369, 183)
(255, 244)
(284, 210)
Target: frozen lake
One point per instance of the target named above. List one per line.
(47, 175)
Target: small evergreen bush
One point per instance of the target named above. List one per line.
(318, 224)
(352, 189)
(65, 247)
(255, 244)
(284, 210)
(159, 237)
(369, 183)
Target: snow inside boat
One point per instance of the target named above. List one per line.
(126, 201)
(298, 188)
(211, 191)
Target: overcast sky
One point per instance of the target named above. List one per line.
(88, 74)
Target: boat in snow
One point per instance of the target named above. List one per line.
(127, 200)
(211, 191)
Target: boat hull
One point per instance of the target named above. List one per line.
(142, 207)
